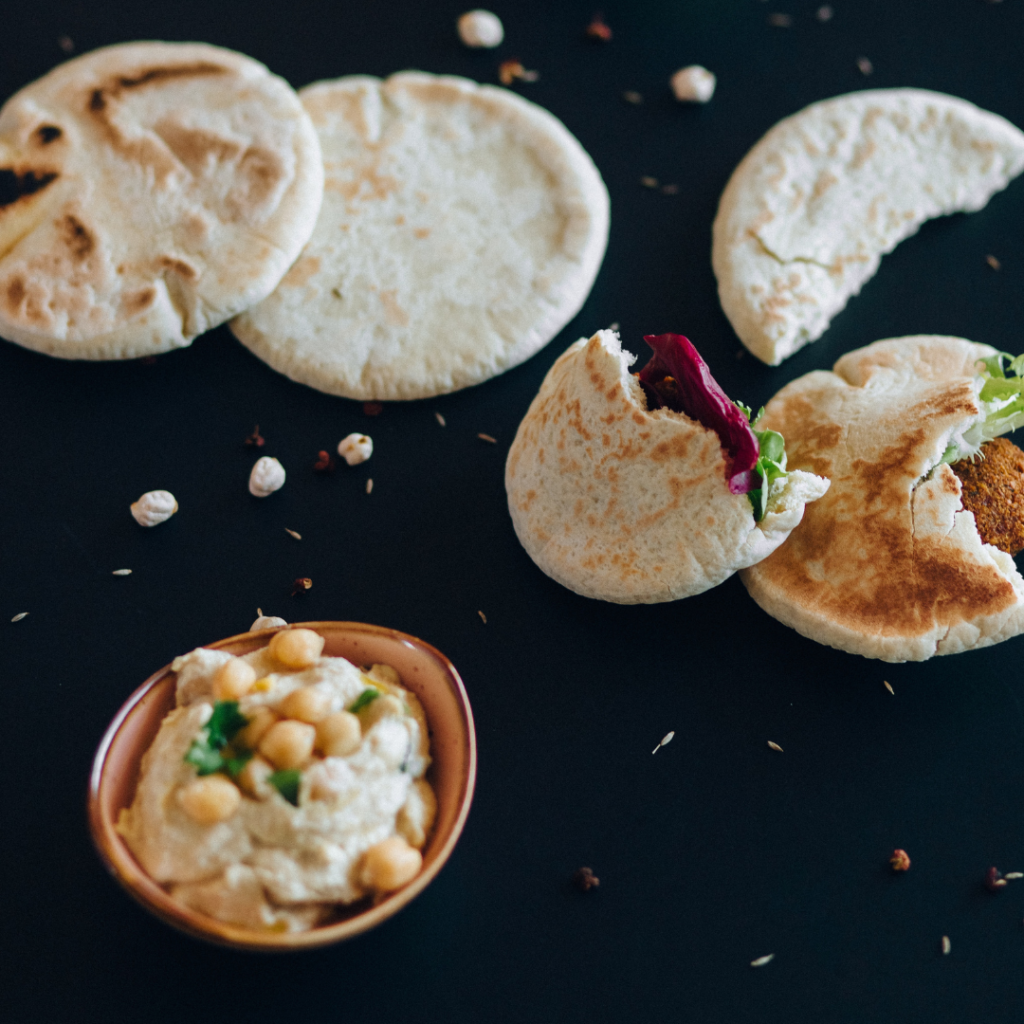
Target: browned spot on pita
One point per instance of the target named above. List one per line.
(77, 237)
(17, 184)
(262, 177)
(863, 153)
(675, 447)
(825, 181)
(47, 133)
(179, 266)
(137, 302)
(151, 76)
(421, 232)
(199, 150)
(26, 303)
(366, 183)
(302, 270)
(394, 315)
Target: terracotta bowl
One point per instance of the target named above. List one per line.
(425, 671)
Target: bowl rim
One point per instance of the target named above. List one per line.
(117, 859)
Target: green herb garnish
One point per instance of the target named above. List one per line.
(366, 697)
(287, 784)
(205, 752)
(771, 463)
(234, 765)
(1001, 399)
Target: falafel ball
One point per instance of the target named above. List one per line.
(993, 489)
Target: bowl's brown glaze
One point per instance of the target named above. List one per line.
(424, 670)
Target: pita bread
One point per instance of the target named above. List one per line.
(462, 228)
(155, 190)
(888, 564)
(813, 207)
(626, 505)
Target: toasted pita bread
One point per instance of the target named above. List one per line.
(813, 207)
(888, 564)
(155, 190)
(626, 505)
(462, 228)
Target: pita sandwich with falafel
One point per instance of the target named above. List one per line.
(638, 488)
(909, 554)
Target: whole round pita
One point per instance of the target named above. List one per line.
(154, 191)
(808, 214)
(888, 564)
(623, 504)
(462, 228)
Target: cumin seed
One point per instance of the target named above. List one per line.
(665, 741)
(993, 262)
(292, 533)
(946, 945)
(121, 572)
(487, 438)
(775, 746)
(648, 182)
(864, 66)
(19, 616)
(634, 97)
(483, 618)
(762, 960)
(369, 485)
(888, 686)
(440, 419)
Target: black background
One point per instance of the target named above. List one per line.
(711, 853)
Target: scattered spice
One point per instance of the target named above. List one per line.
(634, 97)
(899, 861)
(993, 262)
(19, 616)
(440, 419)
(324, 462)
(946, 945)
(292, 533)
(864, 66)
(372, 408)
(994, 880)
(762, 960)
(121, 572)
(483, 618)
(648, 182)
(888, 686)
(665, 741)
(66, 43)
(775, 746)
(256, 439)
(598, 30)
(369, 485)
(510, 71)
(487, 438)
(585, 879)
(613, 326)
(824, 13)
(780, 20)
(670, 190)
(301, 585)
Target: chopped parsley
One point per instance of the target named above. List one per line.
(286, 782)
(771, 462)
(206, 750)
(366, 697)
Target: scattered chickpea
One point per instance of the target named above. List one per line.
(390, 864)
(307, 705)
(693, 84)
(480, 29)
(253, 777)
(385, 674)
(355, 448)
(267, 622)
(260, 721)
(288, 744)
(153, 508)
(266, 477)
(233, 680)
(209, 799)
(383, 707)
(339, 735)
(296, 648)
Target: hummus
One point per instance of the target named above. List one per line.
(271, 821)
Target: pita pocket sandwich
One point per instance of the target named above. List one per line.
(638, 488)
(909, 553)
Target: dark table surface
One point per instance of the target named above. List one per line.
(711, 853)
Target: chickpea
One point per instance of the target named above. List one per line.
(307, 705)
(233, 680)
(209, 799)
(385, 674)
(296, 648)
(253, 777)
(390, 864)
(288, 744)
(339, 734)
(383, 707)
(260, 721)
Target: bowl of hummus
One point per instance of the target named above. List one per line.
(288, 787)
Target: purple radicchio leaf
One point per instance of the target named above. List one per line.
(678, 379)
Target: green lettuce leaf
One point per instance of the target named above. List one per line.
(771, 463)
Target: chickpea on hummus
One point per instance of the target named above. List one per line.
(284, 784)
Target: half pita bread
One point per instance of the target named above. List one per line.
(888, 564)
(626, 505)
(813, 207)
(462, 228)
(156, 189)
